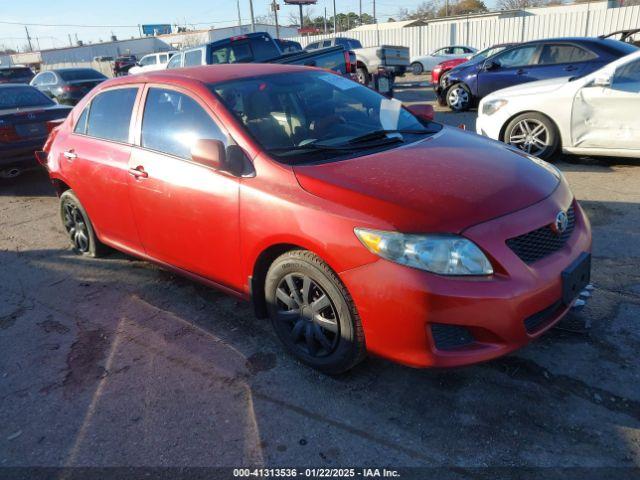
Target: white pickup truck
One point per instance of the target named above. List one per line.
(392, 59)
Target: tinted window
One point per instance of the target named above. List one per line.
(237, 52)
(46, 78)
(553, 54)
(163, 58)
(80, 74)
(327, 43)
(516, 57)
(355, 44)
(175, 61)
(264, 48)
(313, 46)
(20, 97)
(10, 73)
(152, 60)
(81, 126)
(193, 58)
(173, 122)
(110, 114)
(627, 77)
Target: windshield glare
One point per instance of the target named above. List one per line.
(312, 108)
(22, 97)
(487, 52)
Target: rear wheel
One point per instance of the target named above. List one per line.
(533, 133)
(417, 68)
(459, 97)
(313, 314)
(363, 75)
(78, 226)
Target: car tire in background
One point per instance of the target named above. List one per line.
(78, 226)
(417, 68)
(459, 97)
(533, 133)
(363, 76)
(313, 314)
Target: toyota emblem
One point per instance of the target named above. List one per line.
(561, 223)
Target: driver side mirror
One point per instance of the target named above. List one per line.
(422, 111)
(491, 65)
(213, 154)
(603, 81)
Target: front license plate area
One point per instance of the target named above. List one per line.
(576, 278)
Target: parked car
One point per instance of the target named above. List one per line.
(25, 116)
(426, 63)
(527, 62)
(356, 225)
(390, 59)
(123, 64)
(152, 62)
(288, 46)
(67, 85)
(261, 47)
(596, 114)
(15, 74)
(438, 74)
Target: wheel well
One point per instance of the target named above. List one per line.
(260, 269)
(60, 186)
(503, 130)
(361, 65)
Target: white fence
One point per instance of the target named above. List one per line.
(483, 32)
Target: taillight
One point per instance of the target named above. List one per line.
(239, 37)
(8, 134)
(350, 61)
(52, 124)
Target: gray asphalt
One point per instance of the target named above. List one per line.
(115, 362)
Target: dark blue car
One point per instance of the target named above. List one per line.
(527, 62)
(24, 116)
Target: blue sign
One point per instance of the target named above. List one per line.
(159, 29)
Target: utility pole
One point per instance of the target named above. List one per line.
(275, 7)
(253, 22)
(446, 8)
(360, 12)
(70, 41)
(375, 20)
(325, 20)
(139, 31)
(239, 17)
(28, 39)
(335, 18)
(301, 17)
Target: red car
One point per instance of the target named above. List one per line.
(356, 225)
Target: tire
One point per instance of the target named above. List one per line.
(327, 337)
(533, 133)
(417, 68)
(459, 97)
(363, 75)
(78, 226)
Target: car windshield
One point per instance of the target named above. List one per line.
(22, 97)
(487, 52)
(310, 116)
(80, 74)
(9, 73)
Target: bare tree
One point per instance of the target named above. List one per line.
(518, 4)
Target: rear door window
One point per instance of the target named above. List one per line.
(237, 52)
(193, 58)
(173, 122)
(555, 54)
(150, 60)
(175, 61)
(110, 114)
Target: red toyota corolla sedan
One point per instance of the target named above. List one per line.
(354, 224)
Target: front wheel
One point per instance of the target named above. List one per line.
(533, 133)
(417, 68)
(459, 97)
(363, 76)
(313, 314)
(78, 226)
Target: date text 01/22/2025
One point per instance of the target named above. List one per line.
(315, 473)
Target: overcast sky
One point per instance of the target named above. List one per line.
(195, 13)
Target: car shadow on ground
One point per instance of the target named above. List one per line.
(165, 344)
(34, 183)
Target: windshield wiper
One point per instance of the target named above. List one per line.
(384, 134)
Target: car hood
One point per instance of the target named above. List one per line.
(533, 88)
(444, 183)
(452, 63)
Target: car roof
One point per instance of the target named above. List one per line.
(10, 85)
(208, 73)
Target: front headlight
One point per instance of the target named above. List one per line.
(437, 253)
(492, 106)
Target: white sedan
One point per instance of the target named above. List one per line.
(425, 63)
(592, 115)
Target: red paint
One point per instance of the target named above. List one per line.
(444, 67)
(212, 226)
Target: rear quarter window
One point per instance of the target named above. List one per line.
(110, 114)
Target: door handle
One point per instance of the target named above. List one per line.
(138, 172)
(521, 71)
(70, 155)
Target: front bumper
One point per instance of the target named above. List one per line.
(399, 305)
(491, 125)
